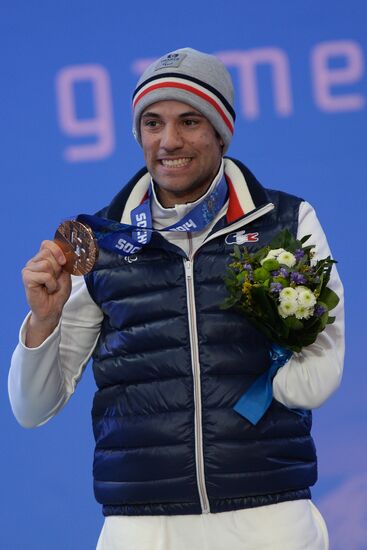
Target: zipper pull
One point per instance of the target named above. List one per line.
(188, 268)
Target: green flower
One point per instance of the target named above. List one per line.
(270, 265)
(261, 274)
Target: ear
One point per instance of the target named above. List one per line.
(221, 142)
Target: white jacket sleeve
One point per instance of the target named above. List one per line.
(310, 377)
(42, 380)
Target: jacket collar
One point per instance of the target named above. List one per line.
(245, 193)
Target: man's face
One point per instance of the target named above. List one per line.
(182, 151)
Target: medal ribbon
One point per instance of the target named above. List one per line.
(126, 239)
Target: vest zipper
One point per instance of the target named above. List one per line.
(194, 346)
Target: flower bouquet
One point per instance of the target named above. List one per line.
(283, 292)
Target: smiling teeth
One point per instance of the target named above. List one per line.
(176, 163)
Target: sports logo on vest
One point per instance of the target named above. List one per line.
(130, 259)
(241, 237)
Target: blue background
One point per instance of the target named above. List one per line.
(47, 498)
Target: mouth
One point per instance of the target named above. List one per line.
(176, 163)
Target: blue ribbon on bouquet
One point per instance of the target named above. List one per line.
(254, 403)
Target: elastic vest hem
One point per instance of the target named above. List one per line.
(216, 506)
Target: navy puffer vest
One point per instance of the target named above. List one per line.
(170, 364)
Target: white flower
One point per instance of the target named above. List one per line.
(306, 297)
(273, 254)
(301, 287)
(288, 294)
(287, 308)
(299, 301)
(304, 312)
(287, 259)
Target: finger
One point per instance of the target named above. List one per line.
(46, 254)
(55, 250)
(34, 280)
(47, 265)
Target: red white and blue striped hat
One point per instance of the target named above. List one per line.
(196, 78)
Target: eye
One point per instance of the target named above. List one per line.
(190, 122)
(151, 123)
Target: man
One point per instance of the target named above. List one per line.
(175, 466)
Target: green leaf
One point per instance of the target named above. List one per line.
(313, 322)
(304, 338)
(323, 320)
(241, 277)
(293, 323)
(281, 280)
(319, 286)
(329, 297)
(285, 240)
(304, 239)
(260, 254)
(264, 304)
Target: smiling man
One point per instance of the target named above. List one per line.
(175, 466)
(182, 150)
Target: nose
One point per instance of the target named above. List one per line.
(171, 138)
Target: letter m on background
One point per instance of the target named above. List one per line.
(246, 62)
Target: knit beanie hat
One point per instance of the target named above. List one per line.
(196, 78)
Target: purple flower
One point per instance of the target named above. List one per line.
(276, 287)
(249, 270)
(298, 278)
(283, 272)
(319, 310)
(299, 253)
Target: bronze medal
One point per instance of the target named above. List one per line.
(79, 246)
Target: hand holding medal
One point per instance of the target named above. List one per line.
(47, 280)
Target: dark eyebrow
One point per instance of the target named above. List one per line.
(149, 115)
(191, 113)
(152, 114)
